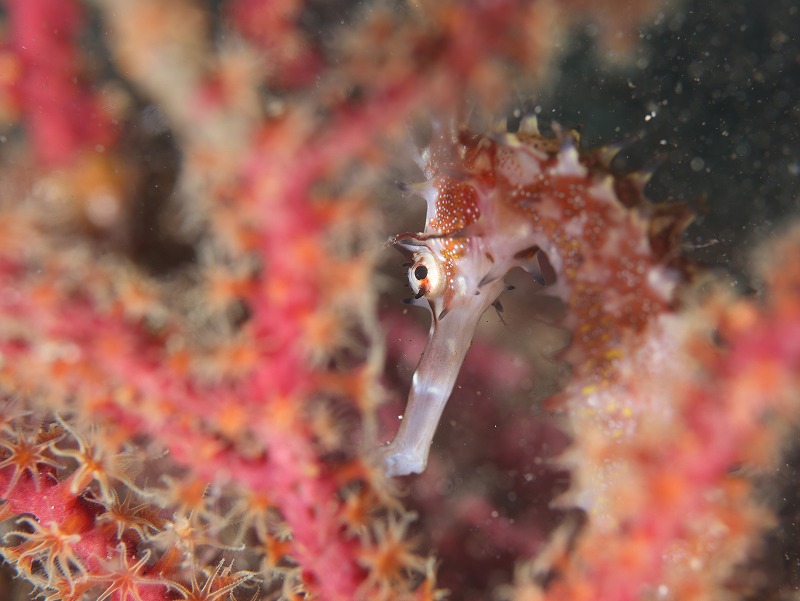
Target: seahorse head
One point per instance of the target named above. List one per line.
(456, 268)
(461, 249)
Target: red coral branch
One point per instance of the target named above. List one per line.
(63, 115)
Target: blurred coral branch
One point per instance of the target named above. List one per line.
(46, 82)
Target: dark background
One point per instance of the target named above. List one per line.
(713, 92)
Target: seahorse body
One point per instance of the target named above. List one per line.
(506, 200)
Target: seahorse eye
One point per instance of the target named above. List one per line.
(426, 275)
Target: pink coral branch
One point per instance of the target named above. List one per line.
(64, 116)
(688, 517)
(289, 471)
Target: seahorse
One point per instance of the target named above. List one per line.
(508, 199)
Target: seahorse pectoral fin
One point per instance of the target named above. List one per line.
(433, 381)
(532, 267)
(535, 262)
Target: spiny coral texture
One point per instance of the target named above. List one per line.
(176, 429)
(706, 397)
